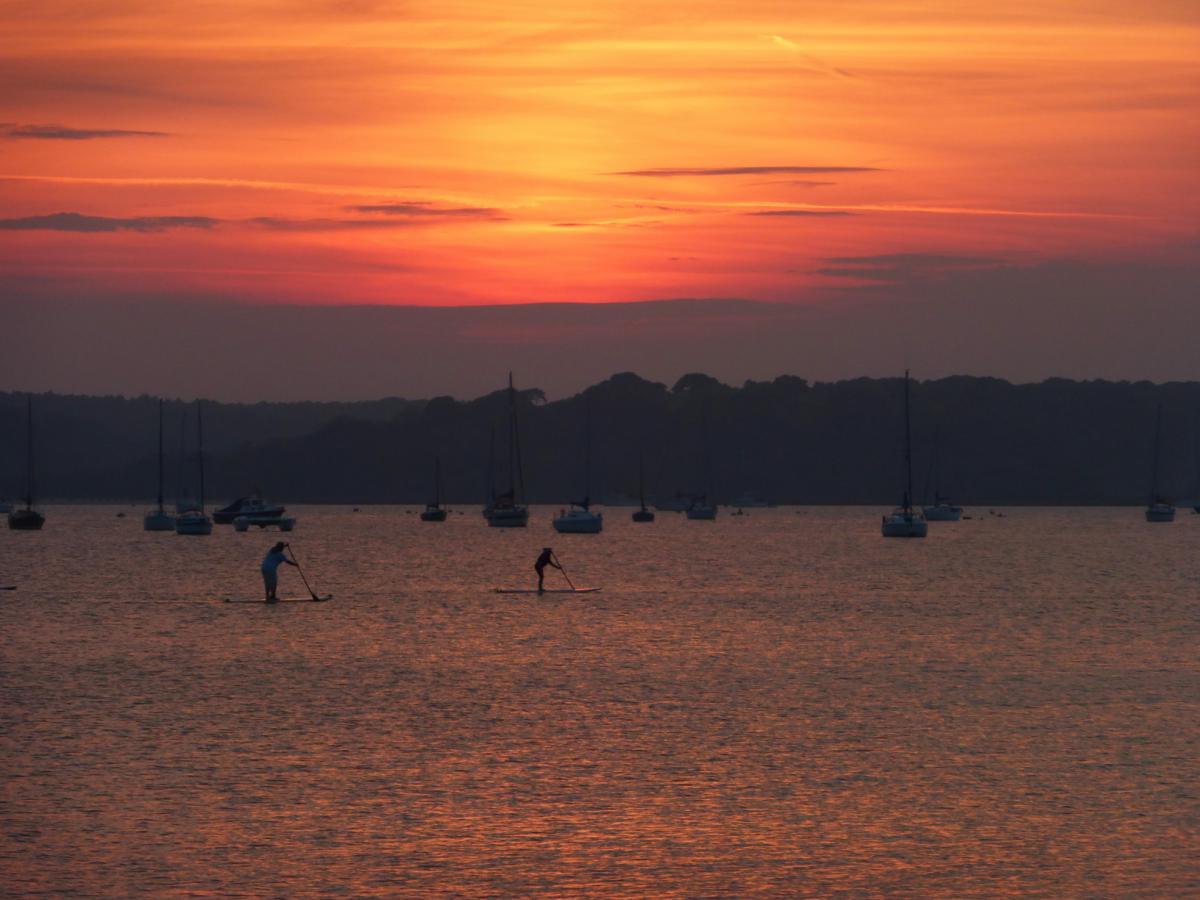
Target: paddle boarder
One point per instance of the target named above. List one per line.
(546, 559)
(270, 564)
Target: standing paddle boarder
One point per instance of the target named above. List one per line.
(271, 562)
(546, 559)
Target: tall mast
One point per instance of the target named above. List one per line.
(1157, 440)
(437, 481)
(181, 489)
(642, 478)
(200, 451)
(907, 448)
(29, 449)
(491, 469)
(160, 457)
(515, 456)
(587, 454)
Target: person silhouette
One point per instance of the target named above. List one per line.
(546, 559)
(271, 562)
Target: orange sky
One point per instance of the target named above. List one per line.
(447, 153)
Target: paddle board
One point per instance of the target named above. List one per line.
(547, 591)
(320, 599)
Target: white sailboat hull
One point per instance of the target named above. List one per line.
(904, 523)
(579, 521)
(514, 517)
(193, 523)
(943, 512)
(158, 520)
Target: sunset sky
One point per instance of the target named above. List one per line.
(464, 153)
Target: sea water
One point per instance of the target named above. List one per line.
(776, 704)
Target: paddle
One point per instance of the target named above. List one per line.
(558, 563)
(301, 571)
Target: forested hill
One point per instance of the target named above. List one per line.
(1057, 442)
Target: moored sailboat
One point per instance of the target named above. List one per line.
(704, 506)
(942, 509)
(1159, 508)
(506, 510)
(159, 519)
(195, 521)
(580, 519)
(27, 518)
(434, 512)
(643, 514)
(905, 521)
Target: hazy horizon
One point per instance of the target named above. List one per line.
(1023, 324)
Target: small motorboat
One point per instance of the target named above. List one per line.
(252, 505)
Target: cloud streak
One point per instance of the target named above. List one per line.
(679, 172)
(899, 267)
(64, 133)
(800, 213)
(422, 208)
(81, 224)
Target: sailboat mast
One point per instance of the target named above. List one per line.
(1154, 469)
(515, 456)
(491, 469)
(160, 457)
(200, 451)
(29, 450)
(907, 448)
(437, 481)
(587, 453)
(642, 478)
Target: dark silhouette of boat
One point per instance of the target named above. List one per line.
(434, 512)
(252, 505)
(27, 518)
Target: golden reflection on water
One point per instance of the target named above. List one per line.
(784, 704)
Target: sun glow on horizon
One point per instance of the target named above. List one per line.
(438, 154)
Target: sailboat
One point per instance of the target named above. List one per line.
(580, 519)
(942, 510)
(195, 520)
(490, 496)
(905, 521)
(704, 506)
(159, 519)
(433, 511)
(505, 510)
(1159, 509)
(643, 514)
(27, 519)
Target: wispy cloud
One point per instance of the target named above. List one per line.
(79, 223)
(800, 213)
(793, 182)
(419, 208)
(896, 267)
(744, 170)
(64, 133)
(84, 224)
(274, 223)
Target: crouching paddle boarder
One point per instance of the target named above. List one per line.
(270, 564)
(546, 559)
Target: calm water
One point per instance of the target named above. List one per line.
(782, 704)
